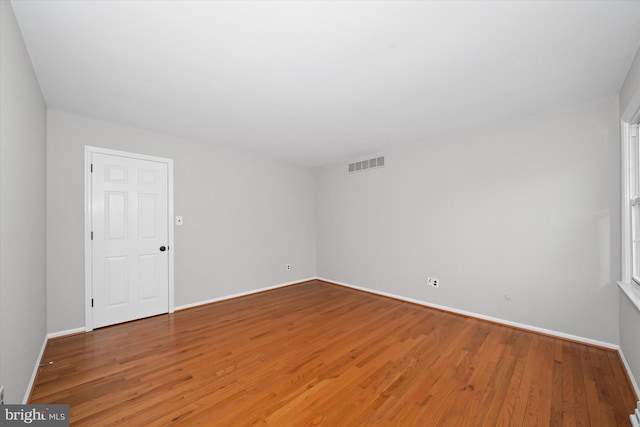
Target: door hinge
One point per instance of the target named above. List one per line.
(91, 302)
(92, 235)
(91, 167)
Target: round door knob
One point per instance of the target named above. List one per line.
(162, 249)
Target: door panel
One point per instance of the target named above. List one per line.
(116, 281)
(147, 208)
(116, 215)
(129, 213)
(148, 276)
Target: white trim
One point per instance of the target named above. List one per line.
(88, 267)
(65, 333)
(629, 373)
(483, 317)
(172, 243)
(625, 224)
(32, 381)
(88, 289)
(394, 296)
(242, 294)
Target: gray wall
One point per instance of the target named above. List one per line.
(529, 209)
(22, 211)
(245, 216)
(629, 314)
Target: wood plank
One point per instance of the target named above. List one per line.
(321, 354)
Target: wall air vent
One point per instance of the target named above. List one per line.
(364, 165)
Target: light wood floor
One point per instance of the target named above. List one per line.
(321, 354)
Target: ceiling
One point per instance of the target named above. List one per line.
(319, 82)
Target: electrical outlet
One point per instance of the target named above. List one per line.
(433, 282)
(288, 267)
(2, 395)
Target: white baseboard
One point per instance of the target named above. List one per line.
(35, 372)
(634, 383)
(385, 294)
(635, 417)
(482, 316)
(242, 294)
(65, 333)
(183, 307)
(562, 335)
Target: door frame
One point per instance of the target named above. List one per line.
(88, 255)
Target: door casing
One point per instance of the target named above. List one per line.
(88, 266)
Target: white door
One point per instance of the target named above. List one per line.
(129, 224)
